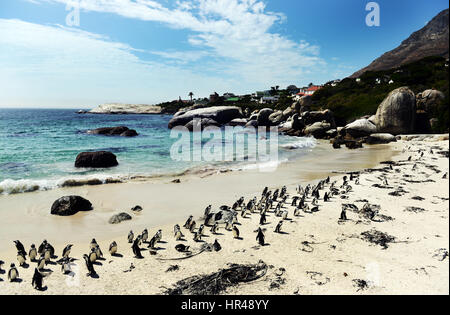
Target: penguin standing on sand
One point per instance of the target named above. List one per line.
(47, 253)
(66, 251)
(89, 266)
(178, 235)
(113, 248)
(144, 236)
(136, 249)
(65, 266)
(192, 226)
(21, 259)
(217, 246)
(278, 227)
(93, 255)
(200, 229)
(98, 252)
(20, 248)
(32, 253)
(262, 219)
(130, 237)
(235, 232)
(1, 264)
(187, 225)
(215, 228)
(13, 273)
(197, 237)
(93, 243)
(37, 280)
(152, 243)
(208, 210)
(343, 214)
(260, 237)
(41, 263)
(158, 236)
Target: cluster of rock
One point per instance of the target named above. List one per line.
(121, 131)
(401, 112)
(70, 205)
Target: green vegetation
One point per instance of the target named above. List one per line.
(350, 99)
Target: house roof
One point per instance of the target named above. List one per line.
(313, 88)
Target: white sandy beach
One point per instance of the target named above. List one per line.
(333, 258)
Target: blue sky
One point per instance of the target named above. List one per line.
(148, 51)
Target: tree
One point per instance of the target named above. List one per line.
(191, 95)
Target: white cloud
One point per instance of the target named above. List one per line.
(231, 38)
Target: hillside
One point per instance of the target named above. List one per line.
(431, 40)
(351, 99)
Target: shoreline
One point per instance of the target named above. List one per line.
(143, 280)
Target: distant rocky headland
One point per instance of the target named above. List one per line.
(121, 109)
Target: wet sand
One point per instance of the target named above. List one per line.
(317, 255)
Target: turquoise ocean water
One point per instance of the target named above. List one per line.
(38, 148)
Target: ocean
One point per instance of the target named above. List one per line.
(38, 148)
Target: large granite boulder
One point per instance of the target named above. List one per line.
(201, 124)
(303, 105)
(221, 114)
(70, 205)
(379, 138)
(99, 159)
(117, 218)
(360, 128)
(318, 130)
(397, 113)
(276, 118)
(263, 117)
(310, 118)
(252, 124)
(297, 123)
(429, 99)
(114, 131)
(238, 122)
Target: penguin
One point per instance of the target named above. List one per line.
(294, 201)
(228, 225)
(20, 248)
(32, 253)
(278, 227)
(260, 237)
(176, 228)
(200, 229)
(41, 263)
(136, 249)
(192, 226)
(262, 219)
(21, 259)
(208, 210)
(113, 248)
(37, 280)
(235, 232)
(89, 266)
(158, 236)
(13, 273)
(93, 243)
(181, 248)
(197, 237)
(265, 191)
(217, 246)
(66, 251)
(1, 264)
(65, 266)
(47, 253)
(93, 255)
(315, 209)
(343, 214)
(215, 228)
(98, 252)
(144, 236)
(325, 197)
(296, 212)
(130, 237)
(152, 243)
(178, 235)
(187, 225)
(445, 176)
(284, 215)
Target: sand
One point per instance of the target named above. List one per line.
(332, 261)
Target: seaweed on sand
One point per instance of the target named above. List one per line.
(220, 281)
(378, 238)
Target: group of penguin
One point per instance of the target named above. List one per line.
(276, 201)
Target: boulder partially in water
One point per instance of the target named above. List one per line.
(70, 205)
(118, 218)
(114, 131)
(220, 114)
(99, 159)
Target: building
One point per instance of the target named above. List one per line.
(269, 99)
(312, 89)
